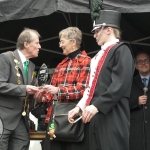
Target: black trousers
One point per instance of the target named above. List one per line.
(17, 139)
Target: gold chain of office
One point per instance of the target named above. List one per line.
(19, 82)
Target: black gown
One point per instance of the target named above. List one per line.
(109, 128)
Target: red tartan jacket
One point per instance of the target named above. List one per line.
(71, 76)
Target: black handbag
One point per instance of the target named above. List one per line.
(64, 131)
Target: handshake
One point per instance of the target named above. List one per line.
(41, 90)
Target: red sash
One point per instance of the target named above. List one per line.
(98, 70)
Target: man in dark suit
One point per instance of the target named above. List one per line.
(15, 77)
(140, 104)
(105, 103)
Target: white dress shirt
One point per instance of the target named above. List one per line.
(93, 67)
(22, 57)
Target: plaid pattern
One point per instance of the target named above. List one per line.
(72, 77)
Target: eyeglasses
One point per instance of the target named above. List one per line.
(63, 41)
(140, 62)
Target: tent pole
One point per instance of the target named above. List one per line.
(48, 39)
(4, 40)
(7, 48)
(142, 39)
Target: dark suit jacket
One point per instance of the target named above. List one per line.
(140, 116)
(11, 94)
(111, 98)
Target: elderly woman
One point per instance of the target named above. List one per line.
(69, 80)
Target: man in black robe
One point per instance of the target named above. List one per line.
(105, 103)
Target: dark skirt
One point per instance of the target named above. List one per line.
(47, 144)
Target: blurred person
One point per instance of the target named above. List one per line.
(68, 82)
(15, 76)
(140, 104)
(105, 103)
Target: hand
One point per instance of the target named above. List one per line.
(38, 96)
(31, 89)
(73, 113)
(88, 113)
(142, 100)
(50, 89)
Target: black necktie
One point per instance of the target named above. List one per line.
(144, 81)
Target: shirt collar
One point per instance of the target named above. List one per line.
(145, 77)
(109, 43)
(74, 54)
(22, 57)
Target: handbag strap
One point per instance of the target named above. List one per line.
(75, 121)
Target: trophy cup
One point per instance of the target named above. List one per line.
(42, 75)
(39, 110)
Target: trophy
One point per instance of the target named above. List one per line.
(39, 110)
(1, 128)
(42, 75)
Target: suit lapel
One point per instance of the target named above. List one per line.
(138, 81)
(148, 86)
(20, 66)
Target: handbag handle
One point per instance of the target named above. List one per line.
(77, 119)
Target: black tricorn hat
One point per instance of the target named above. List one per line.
(108, 18)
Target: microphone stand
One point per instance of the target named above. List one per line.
(145, 89)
